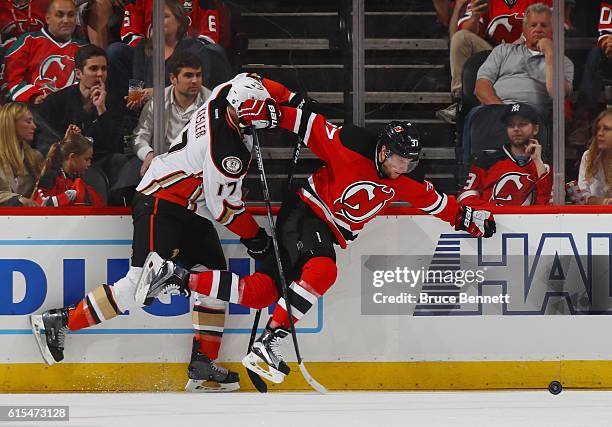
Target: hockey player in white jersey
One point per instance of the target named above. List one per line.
(198, 181)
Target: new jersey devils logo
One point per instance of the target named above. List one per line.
(56, 72)
(506, 28)
(513, 188)
(510, 3)
(16, 28)
(362, 200)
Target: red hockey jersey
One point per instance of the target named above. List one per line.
(38, 64)
(17, 19)
(53, 186)
(347, 192)
(137, 21)
(605, 21)
(498, 179)
(503, 22)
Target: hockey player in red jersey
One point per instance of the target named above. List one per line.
(18, 17)
(198, 181)
(362, 175)
(137, 21)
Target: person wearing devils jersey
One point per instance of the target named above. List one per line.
(42, 62)
(198, 181)
(137, 20)
(60, 182)
(18, 17)
(363, 173)
(605, 28)
(515, 174)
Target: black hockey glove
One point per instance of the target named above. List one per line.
(477, 223)
(259, 246)
(303, 101)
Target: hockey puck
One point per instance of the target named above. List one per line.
(555, 387)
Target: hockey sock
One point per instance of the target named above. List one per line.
(97, 306)
(318, 274)
(208, 324)
(255, 291)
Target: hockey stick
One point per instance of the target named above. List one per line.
(260, 384)
(266, 194)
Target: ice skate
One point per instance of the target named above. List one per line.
(49, 329)
(267, 350)
(159, 276)
(205, 376)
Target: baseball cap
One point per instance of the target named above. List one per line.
(521, 109)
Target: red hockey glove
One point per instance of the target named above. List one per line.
(260, 114)
(477, 223)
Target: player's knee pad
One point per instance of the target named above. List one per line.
(319, 273)
(258, 291)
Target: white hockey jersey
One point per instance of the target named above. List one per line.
(204, 168)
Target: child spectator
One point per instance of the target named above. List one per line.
(595, 176)
(60, 183)
(516, 174)
(20, 164)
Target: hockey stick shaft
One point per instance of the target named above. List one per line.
(266, 195)
(258, 383)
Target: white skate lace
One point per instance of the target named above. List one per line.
(275, 348)
(61, 335)
(219, 369)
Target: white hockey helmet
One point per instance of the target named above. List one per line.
(244, 88)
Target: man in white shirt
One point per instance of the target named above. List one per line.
(182, 98)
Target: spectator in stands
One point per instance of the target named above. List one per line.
(598, 67)
(18, 17)
(20, 164)
(514, 174)
(42, 62)
(203, 17)
(595, 176)
(182, 98)
(60, 183)
(524, 72)
(176, 24)
(485, 24)
(87, 106)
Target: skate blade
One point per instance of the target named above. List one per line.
(151, 266)
(205, 386)
(252, 362)
(37, 330)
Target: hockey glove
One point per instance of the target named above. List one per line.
(259, 246)
(478, 223)
(260, 114)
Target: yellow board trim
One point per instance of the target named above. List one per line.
(341, 376)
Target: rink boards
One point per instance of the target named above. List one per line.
(552, 265)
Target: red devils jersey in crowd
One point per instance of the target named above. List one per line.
(137, 20)
(503, 22)
(347, 192)
(497, 178)
(38, 64)
(19, 17)
(53, 186)
(605, 21)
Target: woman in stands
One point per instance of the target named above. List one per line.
(60, 183)
(595, 176)
(20, 164)
(176, 24)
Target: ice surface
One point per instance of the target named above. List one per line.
(457, 409)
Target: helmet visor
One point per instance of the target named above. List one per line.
(399, 164)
